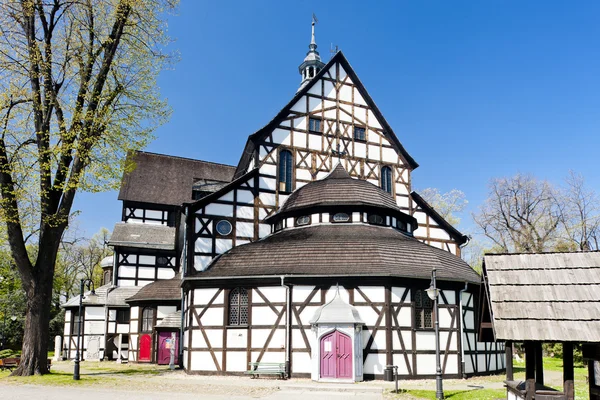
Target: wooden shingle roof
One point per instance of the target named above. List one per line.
(162, 179)
(164, 289)
(145, 236)
(340, 250)
(544, 297)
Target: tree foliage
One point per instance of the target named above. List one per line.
(448, 204)
(77, 92)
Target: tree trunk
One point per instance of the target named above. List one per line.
(34, 353)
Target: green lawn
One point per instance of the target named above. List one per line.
(472, 394)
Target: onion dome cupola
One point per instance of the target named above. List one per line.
(338, 192)
(312, 63)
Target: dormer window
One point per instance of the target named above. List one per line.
(304, 220)
(376, 219)
(314, 125)
(340, 217)
(359, 133)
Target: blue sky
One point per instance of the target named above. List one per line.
(473, 90)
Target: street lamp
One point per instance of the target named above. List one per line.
(84, 283)
(433, 293)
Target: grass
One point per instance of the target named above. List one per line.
(471, 394)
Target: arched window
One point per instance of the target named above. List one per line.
(107, 277)
(423, 310)
(285, 171)
(238, 307)
(386, 179)
(147, 319)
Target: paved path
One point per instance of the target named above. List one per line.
(96, 393)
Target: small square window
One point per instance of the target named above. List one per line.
(359, 133)
(314, 125)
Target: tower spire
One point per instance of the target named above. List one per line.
(312, 63)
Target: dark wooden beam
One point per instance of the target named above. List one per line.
(388, 326)
(529, 370)
(508, 350)
(539, 364)
(568, 373)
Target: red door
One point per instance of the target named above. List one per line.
(145, 348)
(165, 342)
(336, 356)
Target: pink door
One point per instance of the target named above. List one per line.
(145, 348)
(165, 342)
(336, 356)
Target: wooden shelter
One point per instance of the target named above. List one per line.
(537, 298)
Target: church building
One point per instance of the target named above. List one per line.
(312, 252)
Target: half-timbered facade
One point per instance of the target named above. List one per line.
(318, 215)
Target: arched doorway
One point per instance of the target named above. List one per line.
(336, 356)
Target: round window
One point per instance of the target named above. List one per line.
(304, 220)
(341, 217)
(376, 219)
(224, 227)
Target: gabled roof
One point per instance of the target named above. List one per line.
(145, 236)
(452, 231)
(338, 57)
(105, 295)
(551, 297)
(168, 180)
(163, 289)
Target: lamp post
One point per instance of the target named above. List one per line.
(84, 283)
(433, 293)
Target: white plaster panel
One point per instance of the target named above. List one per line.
(300, 184)
(331, 114)
(301, 362)
(368, 315)
(267, 199)
(444, 340)
(273, 357)
(389, 155)
(227, 196)
(93, 313)
(262, 153)
(263, 316)
(244, 212)
(244, 229)
(303, 174)
(275, 294)
(467, 299)
(314, 104)
(374, 364)
(262, 214)
(438, 233)
(225, 210)
(134, 312)
(329, 90)
(112, 314)
(94, 327)
(314, 218)
(425, 340)
(300, 139)
(202, 361)
(203, 296)
(283, 135)
(237, 338)
(126, 283)
(126, 271)
(360, 150)
(421, 217)
(450, 296)
(360, 114)
(330, 294)
(146, 272)
(297, 338)
(149, 260)
(374, 152)
(315, 89)
(315, 142)
(401, 189)
(445, 318)
(481, 363)
(212, 316)
(163, 311)
(379, 340)
(245, 196)
(373, 121)
(268, 169)
(299, 123)
(400, 361)
(143, 283)
(300, 105)
(203, 245)
(122, 328)
(236, 361)
(322, 174)
(133, 326)
(406, 337)
(397, 293)
(264, 230)
(346, 93)
(375, 293)
(426, 364)
(165, 273)
(451, 364)
(300, 293)
(267, 183)
(405, 316)
(198, 339)
(309, 312)
(222, 245)
(201, 262)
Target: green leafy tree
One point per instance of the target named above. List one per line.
(448, 204)
(77, 92)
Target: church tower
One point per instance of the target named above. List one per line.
(312, 63)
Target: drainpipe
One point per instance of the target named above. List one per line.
(183, 271)
(288, 319)
(462, 340)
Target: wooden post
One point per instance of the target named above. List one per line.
(389, 359)
(508, 353)
(591, 377)
(539, 364)
(568, 387)
(529, 370)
